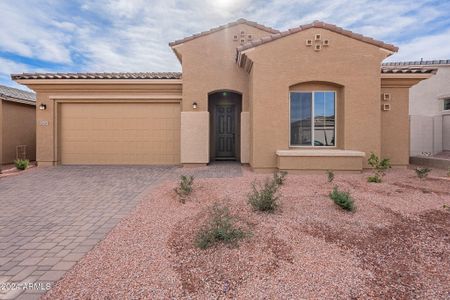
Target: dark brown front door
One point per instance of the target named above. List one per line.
(225, 129)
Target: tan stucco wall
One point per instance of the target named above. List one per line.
(395, 126)
(195, 137)
(208, 65)
(52, 94)
(352, 64)
(18, 128)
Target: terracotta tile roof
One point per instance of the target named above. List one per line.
(142, 75)
(418, 63)
(407, 70)
(237, 22)
(15, 95)
(317, 24)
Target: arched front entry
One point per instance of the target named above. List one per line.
(225, 127)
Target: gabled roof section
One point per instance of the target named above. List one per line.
(216, 29)
(141, 75)
(15, 95)
(317, 24)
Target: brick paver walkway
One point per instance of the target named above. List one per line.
(50, 218)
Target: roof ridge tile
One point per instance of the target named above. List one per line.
(218, 28)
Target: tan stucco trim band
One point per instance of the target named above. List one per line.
(320, 152)
(99, 81)
(406, 76)
(116, 97)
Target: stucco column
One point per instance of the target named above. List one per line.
(1, 134)
(195, 137)
(245, 137)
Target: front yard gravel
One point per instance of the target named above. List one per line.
(395, 245)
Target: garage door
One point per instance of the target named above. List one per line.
(119, 133)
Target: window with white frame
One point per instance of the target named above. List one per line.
(447, 104)
(313, 119)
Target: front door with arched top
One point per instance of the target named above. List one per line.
(225, 109)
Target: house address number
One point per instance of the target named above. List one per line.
(43, 123)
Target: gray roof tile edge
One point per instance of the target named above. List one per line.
(112, 75)
(17, 95)
(418, 63)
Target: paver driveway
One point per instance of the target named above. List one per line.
(50, 217)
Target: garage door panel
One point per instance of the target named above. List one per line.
(119, 133)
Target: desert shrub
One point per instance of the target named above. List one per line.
(422, 172)
(279, 177)
(21, 164)
(220, 227)
(342, 199)
(264, 197)
(185, 187)
(374, 178)
(379, 167)
(330, 175)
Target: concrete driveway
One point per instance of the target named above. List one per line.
(50, 217)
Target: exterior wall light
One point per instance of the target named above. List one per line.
(43, 106)
(194, 105)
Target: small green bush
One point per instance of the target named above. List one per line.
(330, 175)
(264, 197)
(422, 172)
(185, 187)
(379, 166)
(220, 227)
(21, 164)
(279, 177)
(375, 179)
(342, 199)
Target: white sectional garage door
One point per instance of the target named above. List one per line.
(119, 133)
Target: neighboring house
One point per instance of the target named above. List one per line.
(17, 125)
(429, 109)
(310, 98)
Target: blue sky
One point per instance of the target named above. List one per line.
(132, 35)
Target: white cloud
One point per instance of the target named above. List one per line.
(430, 47)
(8, 67)
(27, 31)
(133, 35)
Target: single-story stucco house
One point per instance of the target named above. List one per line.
(17, 125)
(314, 97)
(429, 109)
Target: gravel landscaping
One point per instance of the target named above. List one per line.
(395, 244)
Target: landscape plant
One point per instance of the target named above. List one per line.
(219, 228)
(279, 177)
(379, 167)
(264, 197)
(422, 173)
(330, 175)
(185, 187)
(342, 199)
(21, 164)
